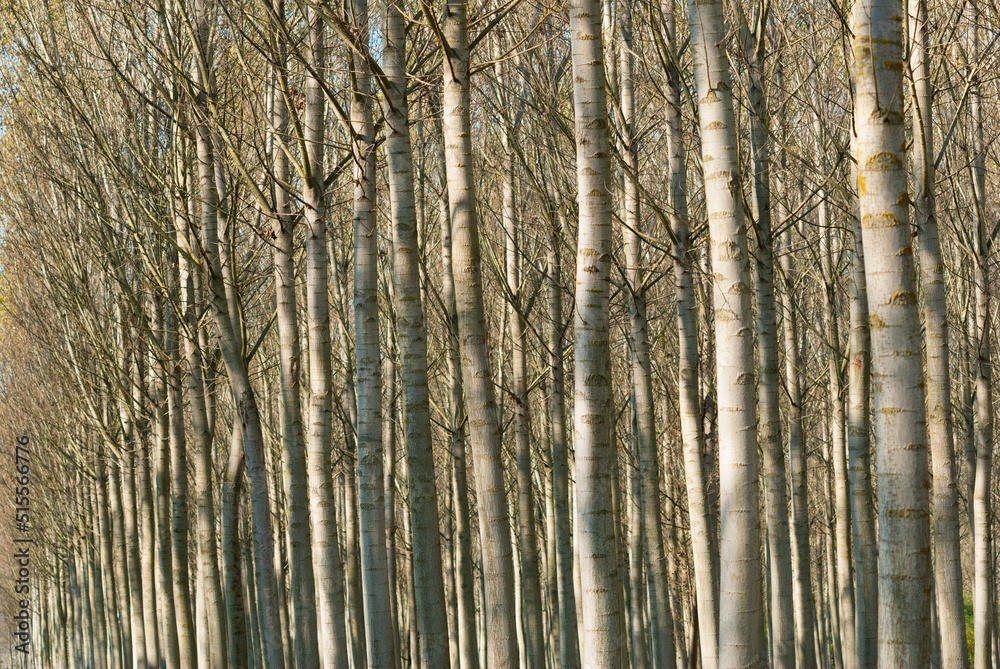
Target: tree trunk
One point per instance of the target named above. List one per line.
(464, 581)
(781, 618)
(131, 530)
(107, 571)
(368, 367)
(984, 605)
(859, 448)
(802, 589)
(740, 578)
(661, 619)
(639, 646)
(118, 558)
(517, 329)
(232, 351)
(838, 452)
(147, 528)
(211, 646)
(689, 399)
(389, 495)
(232, 562)
(945, 532)
(348, 483)
(329, 570)
(294, 474)
(494, 523)
(178, 475)
(569, 656)
(411, 334)
(161, 465)
(904, 536)
(592, 438)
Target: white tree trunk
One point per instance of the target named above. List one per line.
(945, 529)
(412, 336)
(904, 534)
(600, 578)
(494, 523)
(741, 577)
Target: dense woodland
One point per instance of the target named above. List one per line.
(514, 333)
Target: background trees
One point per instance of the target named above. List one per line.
(272, 269)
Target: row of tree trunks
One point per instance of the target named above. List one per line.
(887, 603)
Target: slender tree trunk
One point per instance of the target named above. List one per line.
(966, 370)
(802, 590)
(211, 649)
(639, 645)
(293, 451)
(178, 478)
(464, 581)
(984, 612)
(280, 550)
(984, 607)
(494, 524)
(412, 337)
(550, 566)
(146, 520)
(569, 656)
(348, 483)
(131, 530)
(389, 496)
(104, 534)
(661, 618)
(904, 533)
(517, 328)
(844, 594)
(232, 350)
(834, 643)
(232, 562)
(368, 367)
(328, 568)
(118, 557)
(945, 532)
(781, 618)
(592, 436)
(413, 636)
(161, 463)
(255, 642)
(689, 399)
(859, 448)
(740, 578)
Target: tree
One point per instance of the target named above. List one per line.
(904, 564)
(740, 577)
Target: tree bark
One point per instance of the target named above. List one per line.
(411, 332)
(984, 606)
(592, 438)
(211, 647)
(368, 367)
(494, 523)
(703, 545)
(945, 531)
(569, 655)
(294, 473)
(741, 576)
(900, 416)
(660, 615)
(838, 452)
(517, 330)
(781, 619)
(802, 589)
(859, 450)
